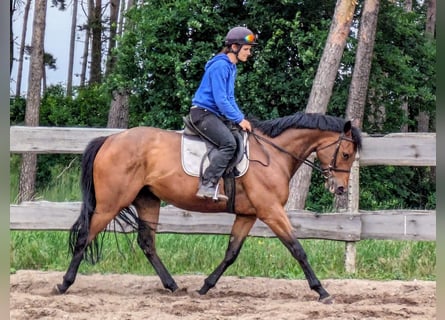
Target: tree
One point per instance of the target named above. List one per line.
(69, 82)
(12, 8)
(86, 48)
(22, 49)
(29, 161)
(119, 108)
(114, 14)
(430, 26)
(95, 23)
(357, 101)
(118, 114)
(322, 88)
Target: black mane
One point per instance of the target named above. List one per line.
(274, 127)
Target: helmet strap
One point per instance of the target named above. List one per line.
(235, 52)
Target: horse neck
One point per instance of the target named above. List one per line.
(301, 143)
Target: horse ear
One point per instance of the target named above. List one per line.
(347, 128)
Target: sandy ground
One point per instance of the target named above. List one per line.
(123, 297)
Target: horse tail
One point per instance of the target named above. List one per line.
(79, 231)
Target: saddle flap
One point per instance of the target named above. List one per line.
(194, 149)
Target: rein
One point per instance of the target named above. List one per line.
(325, 172)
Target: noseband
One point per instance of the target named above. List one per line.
(326, 172)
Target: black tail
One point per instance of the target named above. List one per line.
(81, 227)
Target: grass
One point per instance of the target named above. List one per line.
(200, 254)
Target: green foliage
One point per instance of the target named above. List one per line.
(403, 69)
(162, 54)
(17, 110)
(88, 108)
(392, 187)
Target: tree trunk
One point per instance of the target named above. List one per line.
(423, 119)
(362, 66)
(43, 77)
(118, 115)
(11, 35)
(360, 77)
(96, 43)
(363, 61)
(119, 108)
(29, 161)
(355, 111)
(408, 6)
(322, 87)
(430, 27)
(18, 87)
(86, 49)
(114, 14)
(121, 18)
(69, 82)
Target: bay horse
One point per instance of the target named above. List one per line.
(142, 166)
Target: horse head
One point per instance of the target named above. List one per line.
(337, 156)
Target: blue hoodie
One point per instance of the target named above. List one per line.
(216, 92)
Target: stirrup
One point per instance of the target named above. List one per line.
(219, 196)
(213, 194)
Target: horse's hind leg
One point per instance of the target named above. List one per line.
(240, 230)
(148, 206)
(97, 224)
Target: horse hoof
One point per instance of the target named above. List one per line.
(327, 300)
(57, 290)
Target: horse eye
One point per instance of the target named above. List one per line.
(345, 156)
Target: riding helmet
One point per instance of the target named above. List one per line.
(240, 35)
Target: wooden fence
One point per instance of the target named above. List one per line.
(399, 149)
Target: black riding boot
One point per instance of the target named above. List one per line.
(209, 189)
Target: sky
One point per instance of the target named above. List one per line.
(57, 41)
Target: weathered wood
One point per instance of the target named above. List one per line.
(353, 206)
(399, 149)
(402, 149)
(53, 139)
(44, 215)
(402, 225)
(399, 225)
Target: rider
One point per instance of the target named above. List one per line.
(214, 109)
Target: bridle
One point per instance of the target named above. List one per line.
(326, 172)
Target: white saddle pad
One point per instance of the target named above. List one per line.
(193, 149)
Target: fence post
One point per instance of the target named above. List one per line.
(353, 205)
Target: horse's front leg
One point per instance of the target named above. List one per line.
(281, 226)
(148, 206)
(240, 230)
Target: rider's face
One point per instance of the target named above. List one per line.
(245, 52)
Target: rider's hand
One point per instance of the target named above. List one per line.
(245, 125)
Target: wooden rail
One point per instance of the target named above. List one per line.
(400, 149)
(387, 224)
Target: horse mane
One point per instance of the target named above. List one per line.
(301, 120)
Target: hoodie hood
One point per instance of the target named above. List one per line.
(218, 57)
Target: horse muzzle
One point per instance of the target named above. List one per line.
(333, 188)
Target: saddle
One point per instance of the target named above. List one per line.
(196, 152)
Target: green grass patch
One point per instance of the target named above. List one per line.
(200, 254)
